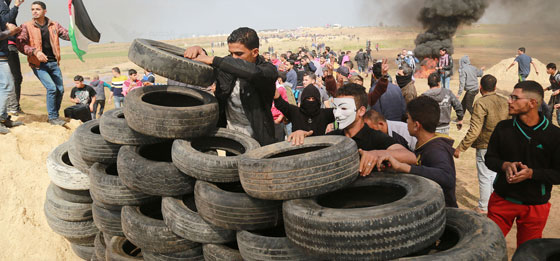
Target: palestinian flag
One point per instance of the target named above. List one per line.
(81, 29)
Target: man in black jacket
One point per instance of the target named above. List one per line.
(525, 152)
(245, 85)
(10, 15)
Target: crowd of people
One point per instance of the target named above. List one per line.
(294, 95)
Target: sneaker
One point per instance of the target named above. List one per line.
(10, 124)
(3, 129)
(13, 113)
(57, 121)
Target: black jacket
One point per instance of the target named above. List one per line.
(300, 121)
(258, 84)
(537, 147)
(435, 162)
(7, 15)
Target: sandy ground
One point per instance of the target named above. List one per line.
(24, 151)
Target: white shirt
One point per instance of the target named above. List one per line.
(235, 115)
(402, 129)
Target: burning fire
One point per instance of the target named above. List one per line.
(427, 66)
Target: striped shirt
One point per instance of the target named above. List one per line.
(117, 83)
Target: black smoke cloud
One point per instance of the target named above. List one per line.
(441, 18)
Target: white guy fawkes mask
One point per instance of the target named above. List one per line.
(344, 111)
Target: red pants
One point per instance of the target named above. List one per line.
(530, 219)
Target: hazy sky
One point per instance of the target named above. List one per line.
(124, 20)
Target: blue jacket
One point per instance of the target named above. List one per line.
(391, 104)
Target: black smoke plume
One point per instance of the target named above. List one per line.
(441, 18)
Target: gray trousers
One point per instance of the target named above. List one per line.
(485, 179)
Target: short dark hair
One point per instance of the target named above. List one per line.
(374, 116)
(377, 70)
(310, 74)
(116, 69)
(78, 78)
(42, 4)
(522, 49)
(424, 110)
(283, 76)
(132, 71)
(285, 56)
(531, 87)
(488, 83)
(245, 36)
(292, 62)
(433, 79)
(551, 66)
(443, 49)
(355, 90)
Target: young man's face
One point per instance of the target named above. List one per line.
(240, 51)
(520, 103)
(307, 81)
(322, 60)
(37, 11)
(345, 111)
(115, 73)
(441, 52)
(134, 77)
(79, 84)
(266, 56)
(411, 125)
(550, 71)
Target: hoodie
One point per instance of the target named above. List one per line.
(446, 99)
(468, 76)
(435, 162)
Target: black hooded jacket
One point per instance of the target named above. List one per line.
(7, 15)
(258, 84)
(306, 119)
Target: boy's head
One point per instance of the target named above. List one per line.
(488, 83)
(116, 72)
(309, 78)
(442, 51)
(526, 97)
(521, 50)
(79, 81)
(282, 76)
(95, 77)
(433, 80)
(350, 104)
(376, 121)
(133, 75)
(551, 68)
(243, 43)
(423, 114)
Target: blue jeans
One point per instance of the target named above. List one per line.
(50, 76)
(119, 101)
(6, 88)
(445, 81)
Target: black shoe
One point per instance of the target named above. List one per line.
(10, 124)
(3, 129)
(57, 121)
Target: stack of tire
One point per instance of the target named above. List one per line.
(167, 185)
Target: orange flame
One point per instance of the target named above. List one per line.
(427, 66)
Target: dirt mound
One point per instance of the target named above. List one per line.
(499, 71)
(24, 182)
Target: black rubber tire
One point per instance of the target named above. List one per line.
(226, 205)
(181, 216)
(114, 129)
(76, 159)
(171, 112)
(99, 246)
(62, 172)
(468, 236)
(83, 252)
(215, 252)
(107, 188)
(65, 210)
(191, 159)
(282, 171)
(107, 220)
(144, 227)
(76, 196)
(148, 169)
(168, 61)
(193, 254)
(121, 249)
(384, 216)
(538, 250)
(81, 232)
(91, 146)
(269, 244)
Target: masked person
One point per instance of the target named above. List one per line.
(350, 107)
(308, 119)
